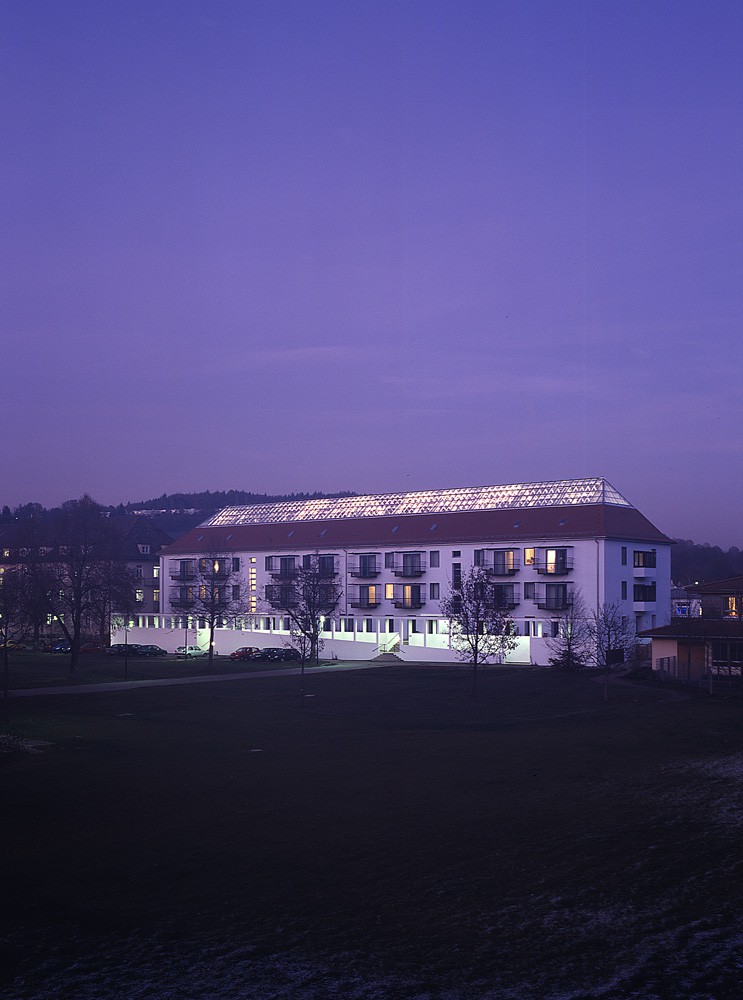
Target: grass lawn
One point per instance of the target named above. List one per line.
(33, 669)
(392, 839)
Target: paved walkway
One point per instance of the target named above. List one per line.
(171, 681)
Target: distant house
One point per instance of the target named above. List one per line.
(138, 543)
(705, 636)
(695, 649)
(720, 598)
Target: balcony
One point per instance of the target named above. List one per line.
(364, 569)
(285, 573)
(183, 576)
(553, 562)
(409, 597)
(554, 598)
(409, 565)
(505, 598)
(365, 602)
(279, 599)
(182, 602)
(410, 603)
(499, 562)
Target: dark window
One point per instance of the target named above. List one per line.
(367, 565)
(307, 561)
(434, 591)
(555, 629)
(389, 560)
(644, 559)
(236, 592)
(433, 560)
(556, 596)
(456, 575)
(411, 563)
(235, 564)
(326, 565)
(456, 554)
(269, 563)
(479, 557)
(644, 592)
(529, 592)
(624, 555)
(624, 590)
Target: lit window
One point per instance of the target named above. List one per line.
(389, 591)
(529, 557)
(139, 596)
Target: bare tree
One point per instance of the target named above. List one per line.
(306, 593)
(216, 595)
(480, 625)
(76, 580)
(612, 637)
(14, 617)
(573, 645)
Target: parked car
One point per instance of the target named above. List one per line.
(93, 647)
(271, 653)
(290, 653)
(60, 647)
(122, 649)
(149, 649)
(245, 653)
(186, 652)
(12, 644)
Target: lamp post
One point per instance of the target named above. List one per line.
(126, 650)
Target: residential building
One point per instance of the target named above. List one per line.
(133, 542)
(395, 556)
(707, 638)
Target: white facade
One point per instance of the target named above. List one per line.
(393, 583)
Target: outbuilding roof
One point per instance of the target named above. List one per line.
(697, 628)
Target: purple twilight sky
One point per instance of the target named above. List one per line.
(377, 246)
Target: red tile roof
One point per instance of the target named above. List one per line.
(426, 530)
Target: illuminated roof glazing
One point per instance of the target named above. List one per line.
(563, 493)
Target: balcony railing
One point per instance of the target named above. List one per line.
(409, 603)
(558, 565)
(500, 562)
(506, 598)
(183, 575)
(409, 568)
(365, 602)
(364, 570)
(554, 602)
(285, 573)
(182, 602)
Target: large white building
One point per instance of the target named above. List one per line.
(395, 556)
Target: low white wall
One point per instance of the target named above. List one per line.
(420, 648)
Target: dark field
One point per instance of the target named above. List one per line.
(393, 839)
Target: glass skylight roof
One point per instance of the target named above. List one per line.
(563, 493)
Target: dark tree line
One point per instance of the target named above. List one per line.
(67, 570)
